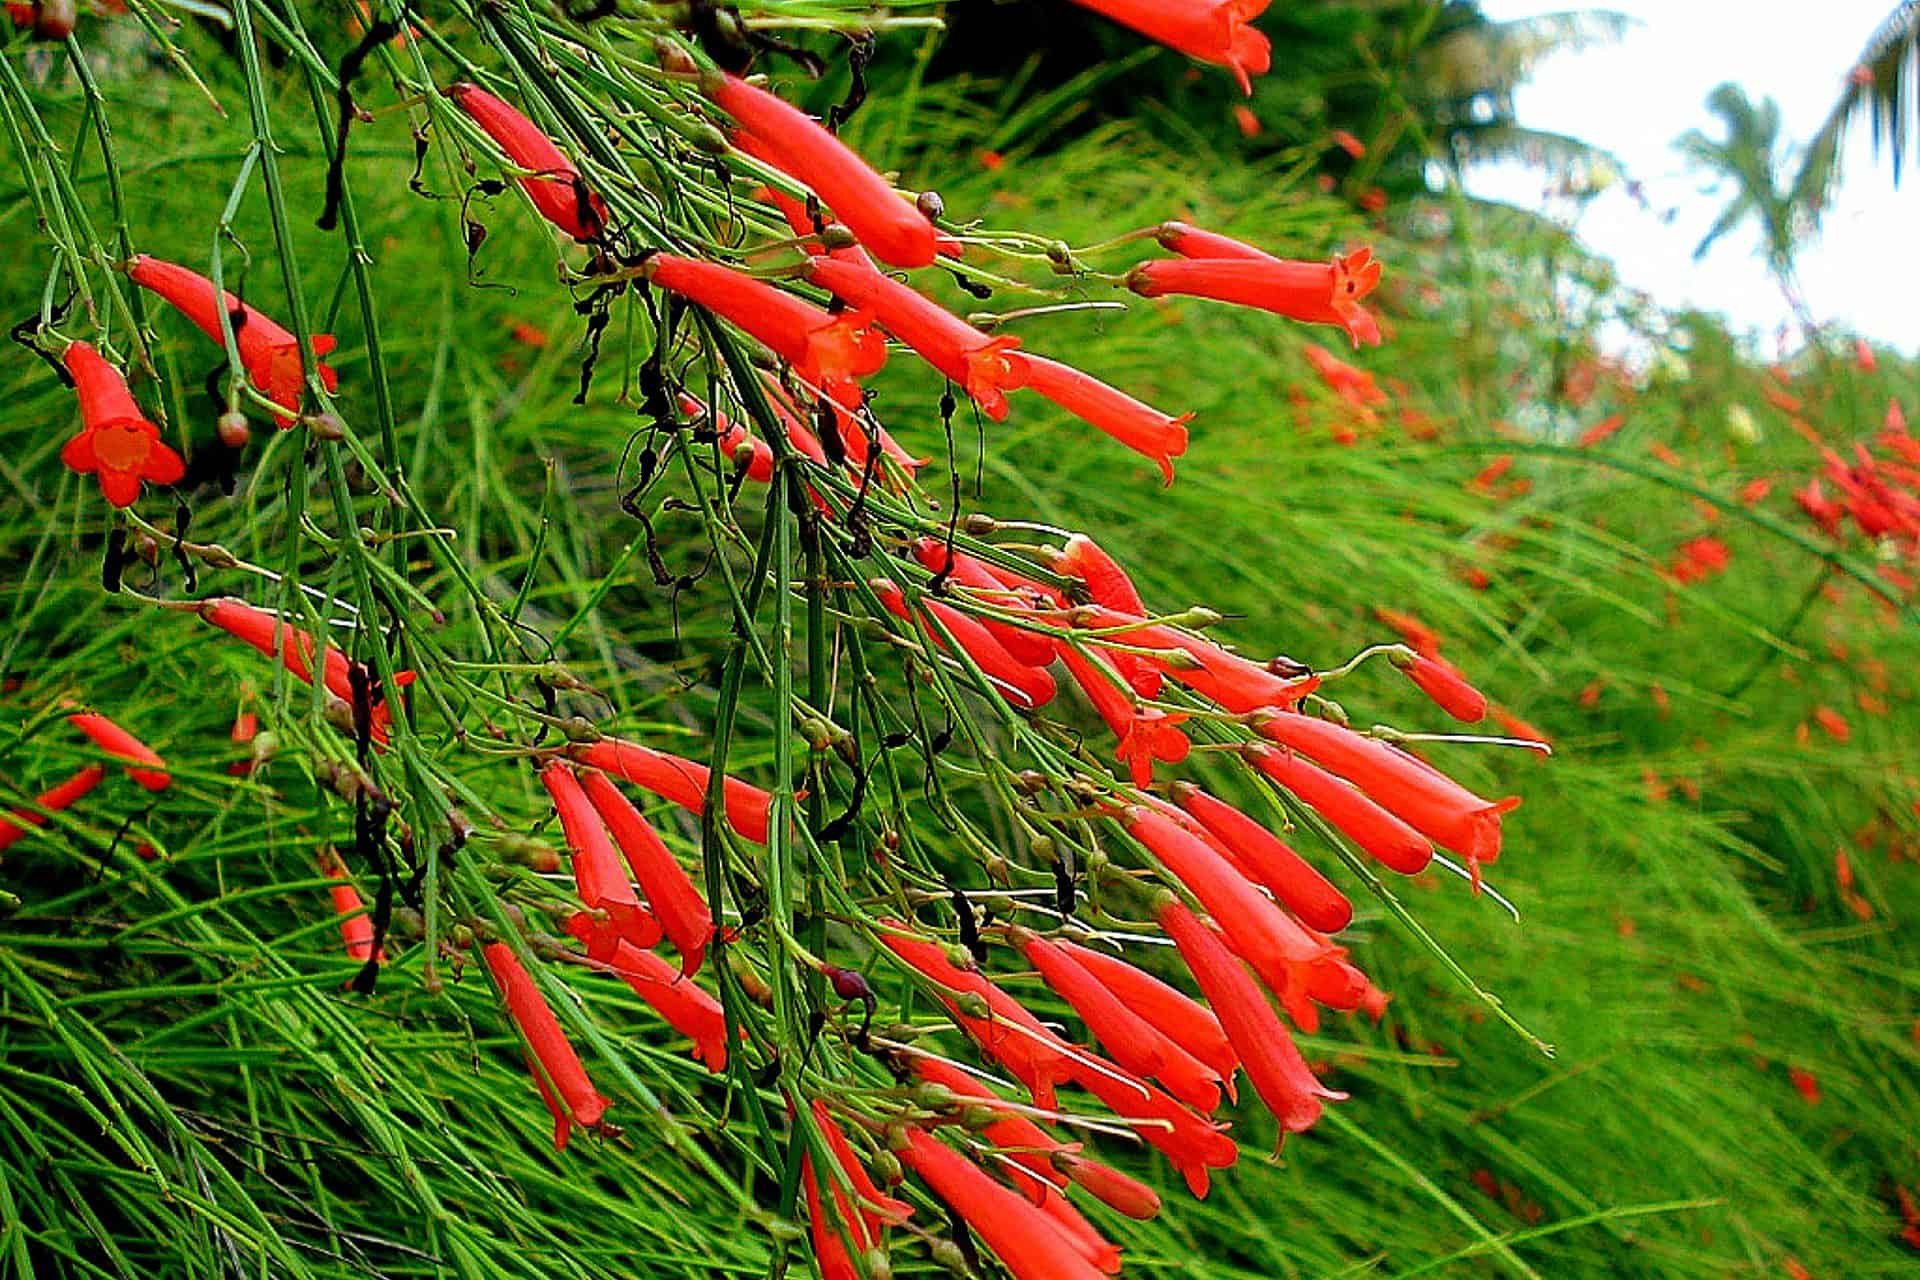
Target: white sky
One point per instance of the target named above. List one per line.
(1633, 98)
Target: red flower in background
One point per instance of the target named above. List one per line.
(1219, 32)
(1311, 292)
(556, 1068)
(116, 442)
(1354, 385)
(1024, 685)
(830, 351)
(557, 190)
(892, 229)
(269, 352)
(16, 824)
(144, 765)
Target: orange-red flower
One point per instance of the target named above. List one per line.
(1311, 292)
(554, 185)
(1024, 1143)
(875, 1207)
(986, 368)
(1122, 1031)
(597, 874)
(675, 903)
(16, 824)
(1182, 1019)
(866, 203)
(833, 352)
(116, 442)
(1030, 647)
(1422, 797)
(1443, 682)
(686, 1008)
(682, 781)
(1112, 1188)
(1354, 385)
(556, 1068)
(269, 352)
(1192, 1143)
(275, 637)
(1028, 1243)
(1025, 686)
(1385, 837)
(1283, 953)
(144, 765)
(1008, 1032)
(1144, 734)
(1279, 1074)
(1290, 878)
(1110, 587)
(1220, 32)
(1135, 424)
(356, 927)
(1236, 683)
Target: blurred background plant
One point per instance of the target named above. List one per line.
(1712, 874)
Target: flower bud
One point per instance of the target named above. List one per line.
(233, 430)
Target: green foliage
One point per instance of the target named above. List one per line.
(187, 1089)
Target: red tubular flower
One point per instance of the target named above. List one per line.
(875, 1205)
(1113, 1188)
(1354, 385)
(1023, 1142)
(1085, 1238)
(1310, 292)
(601, 880)
(556, 1068)
(559, 193)
(829, 1250)
(682, 781)
(269, 353)
(1192, 242)
(1234, 682)
(686, 1008)
(1191, 1143)
(16, 824)
(1009, 1034)
(116, 442)
(1145, 734)
(1271, 941)
(1110, 587)
(1417, 635)
(275, 637)
(678, 906)
(1129, 1039)
(1026, 686)
(1183, 1020)
(866, 203)
(356, 927)
(1422, 797)
(1030, 647)
(1443, 682)
(1386, 838)
(1024, 1238)
(1219, 32)
(986, 368)
(1279, 1074)
(120, 744)
(1137, 425)
(1292, 879)
(833, 352)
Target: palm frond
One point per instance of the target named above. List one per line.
(1885, 84)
